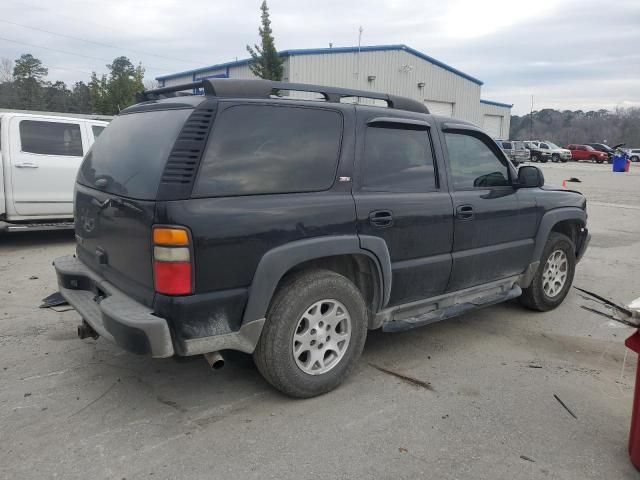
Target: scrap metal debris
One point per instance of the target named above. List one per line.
(615, 312)
(53, 300)
(575, 180)
(528, 459)
(410, 380)
(565, 406)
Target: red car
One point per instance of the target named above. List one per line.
(585, 152)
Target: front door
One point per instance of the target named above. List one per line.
(401, 198)
(491, 241)
(45, 156)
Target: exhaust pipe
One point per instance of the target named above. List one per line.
(215, 360)
(86, 331)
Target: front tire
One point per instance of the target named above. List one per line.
(534, 158)
(635, 159)
(554, 276)
(555, 158)
(314, 334)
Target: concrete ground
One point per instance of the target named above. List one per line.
(85, 409)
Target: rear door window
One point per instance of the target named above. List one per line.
(51, 138)
(131, 154)
(398, 160)
(262, 149)
(97, 130)
(473, 164)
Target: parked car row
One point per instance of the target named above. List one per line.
(543, 151)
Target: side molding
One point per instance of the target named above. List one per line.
(549, 220)
(275, 263)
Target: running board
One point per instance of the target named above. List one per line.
(431, 314)
(34, 227)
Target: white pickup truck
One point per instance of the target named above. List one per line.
(41, 154)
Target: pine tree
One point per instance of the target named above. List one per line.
(265, 61)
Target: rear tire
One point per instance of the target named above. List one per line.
(554, 276)
(635, 159)
(534, 158)
(296, 353)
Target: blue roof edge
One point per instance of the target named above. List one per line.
(316, 51)
(496, 104)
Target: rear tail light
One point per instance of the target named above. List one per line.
(172, 261)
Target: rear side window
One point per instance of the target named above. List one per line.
(131, 154)
(397, 160)
(261, 149)
(473, 164)
(51, 138)
(97, 130)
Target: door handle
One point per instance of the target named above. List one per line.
(464, 212)
(26, 165)
(381, 218)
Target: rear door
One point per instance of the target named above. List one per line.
(492, 240)
(45, 155)
(401, 197)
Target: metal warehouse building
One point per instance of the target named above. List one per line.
(394, 69)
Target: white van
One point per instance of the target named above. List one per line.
(41, 154)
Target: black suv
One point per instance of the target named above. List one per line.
(287, 228)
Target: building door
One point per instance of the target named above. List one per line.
(439, 108)
(492, 124)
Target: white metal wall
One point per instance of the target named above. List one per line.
(489, 111)
(396, 71)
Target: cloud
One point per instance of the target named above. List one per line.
(567, 53)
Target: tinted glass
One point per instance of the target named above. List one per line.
(473, 164)
(397, 160)
(51, 138)
(507, 145)
(132, 152)
(97, 130)
(258, 149)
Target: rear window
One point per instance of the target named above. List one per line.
(132, 152)
(51, 138)
(261, 149)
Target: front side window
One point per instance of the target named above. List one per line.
(262, 149)
(473, 164)
(51, 138)
(397, 160)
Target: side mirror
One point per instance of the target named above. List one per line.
(530, 177)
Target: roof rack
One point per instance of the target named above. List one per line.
(236, 88)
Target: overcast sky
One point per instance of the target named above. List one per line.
(569, 54)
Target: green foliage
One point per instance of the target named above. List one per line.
(265, 61)
(566, 127)
(25, 88)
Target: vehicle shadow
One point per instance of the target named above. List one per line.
(36, 239)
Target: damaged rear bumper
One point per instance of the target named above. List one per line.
(110, 312)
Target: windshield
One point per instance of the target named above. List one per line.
(552, 145)
(590, 148)
(130, 154)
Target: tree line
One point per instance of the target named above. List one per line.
(621, 125)
(24, 86)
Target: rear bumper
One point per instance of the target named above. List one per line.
(112, 313)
